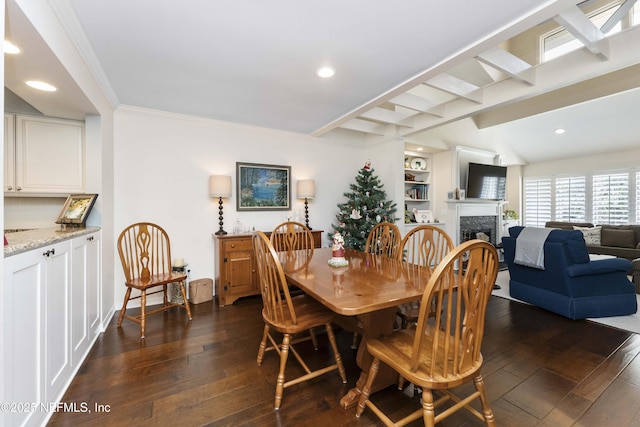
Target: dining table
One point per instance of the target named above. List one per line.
(364, 294)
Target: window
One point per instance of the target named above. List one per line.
(537, 202)
(602, 198)
(611, 199)
(570, 199)
(561, 41)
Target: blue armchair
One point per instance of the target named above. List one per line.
(571, 284)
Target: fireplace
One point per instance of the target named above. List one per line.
(481, 227)
(471, 217)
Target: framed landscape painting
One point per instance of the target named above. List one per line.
(263, 187)
(76, 209)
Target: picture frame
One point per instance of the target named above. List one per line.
(76, 209)
(263, 187)
(424, 216)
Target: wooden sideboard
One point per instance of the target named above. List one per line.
(237, 268)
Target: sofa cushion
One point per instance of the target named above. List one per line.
(591, 234)
(622, 238)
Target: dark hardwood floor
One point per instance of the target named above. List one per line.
(540, 369)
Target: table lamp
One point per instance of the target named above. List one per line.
(220, 186)
(306, 189)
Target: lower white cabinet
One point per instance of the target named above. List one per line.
(85, 296)
(51, 319)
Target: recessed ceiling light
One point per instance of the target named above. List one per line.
(559, 131)
(41, 86)
(10, 48)
(326, 72)
(420, 148)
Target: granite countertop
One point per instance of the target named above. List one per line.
(23, 241)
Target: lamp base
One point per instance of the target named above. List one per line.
(220, 232)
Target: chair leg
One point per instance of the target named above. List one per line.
(183, 291)
(284, 353)
(124, 306)
(314, 338)
(263, 345)
(143, 314)
(428, 408)
(489, 418)
(366, 390)
(336, 353)
(400, 382)
(354, 343)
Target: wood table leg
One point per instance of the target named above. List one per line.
(371, 325)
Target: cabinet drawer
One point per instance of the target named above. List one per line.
(238, 245)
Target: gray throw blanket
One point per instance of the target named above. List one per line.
(530, 247)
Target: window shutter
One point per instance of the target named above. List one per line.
(570, 199)
(611, 199)
(537, 196)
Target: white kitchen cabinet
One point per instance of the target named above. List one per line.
(51, 314)
(56, 319)
(85, 293)
(36, 336)
(9, 153)
(49, 156)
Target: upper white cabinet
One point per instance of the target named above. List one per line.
(48, 156)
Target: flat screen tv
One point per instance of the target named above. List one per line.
(486, 182)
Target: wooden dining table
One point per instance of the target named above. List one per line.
(364, 294)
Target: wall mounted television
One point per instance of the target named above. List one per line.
(486, 181)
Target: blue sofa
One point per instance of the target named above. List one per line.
(570, 284)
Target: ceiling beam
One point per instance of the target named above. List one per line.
(384, 115)
(418, 103)
(364, 126)
(578, 24)
(509, 64)
(455, 86)
(617, 16)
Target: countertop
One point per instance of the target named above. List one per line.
(23, 241)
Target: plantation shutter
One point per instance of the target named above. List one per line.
(537, 196)
(611, 199)
(570, 199)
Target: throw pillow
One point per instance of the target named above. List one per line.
(591, 234)
(618, 238)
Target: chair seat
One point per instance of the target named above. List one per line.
(395, 350)
(156, 280)
(309, 313)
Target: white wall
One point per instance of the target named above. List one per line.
(585, 164)
(163, 162)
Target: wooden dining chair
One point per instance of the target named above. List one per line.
(424, 245)
(442, 352)
(289, 316)
(384, 239)
(289, 237)
(145, 254)
(292, 236)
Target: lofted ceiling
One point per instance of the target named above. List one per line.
(435, 74)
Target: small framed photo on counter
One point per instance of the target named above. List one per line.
(76, 209)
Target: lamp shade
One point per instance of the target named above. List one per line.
(306, 189)
(220, 186)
